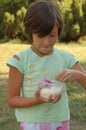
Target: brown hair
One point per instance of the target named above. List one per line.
(41, 17)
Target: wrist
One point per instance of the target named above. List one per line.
(80, 75)
(38, 101)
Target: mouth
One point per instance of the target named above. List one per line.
(46, 50)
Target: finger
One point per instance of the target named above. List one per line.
(57, 98)
(48, 99)
(65, 78)
(37, 93)
(61, 74)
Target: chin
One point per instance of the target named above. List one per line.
(47, 51)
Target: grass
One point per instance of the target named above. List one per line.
(77, 95)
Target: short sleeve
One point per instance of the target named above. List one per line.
(17, 63)
(71, 60)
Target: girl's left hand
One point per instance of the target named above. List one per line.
(68, 75)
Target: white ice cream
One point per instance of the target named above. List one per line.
(46, 92)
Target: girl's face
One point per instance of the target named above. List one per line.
(44, 45)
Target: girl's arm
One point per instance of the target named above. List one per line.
(13, 93)
(81, 78)
(76, 73)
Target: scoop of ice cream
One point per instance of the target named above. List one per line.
(48, 87)
(46, 92)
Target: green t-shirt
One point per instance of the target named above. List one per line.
(35, 68)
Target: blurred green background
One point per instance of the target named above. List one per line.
(12, 13)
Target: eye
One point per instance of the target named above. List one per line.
(53, 35)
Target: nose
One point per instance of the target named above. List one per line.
(46, 41)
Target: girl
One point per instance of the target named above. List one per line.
(43, 25)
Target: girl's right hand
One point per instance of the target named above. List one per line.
(45, 100)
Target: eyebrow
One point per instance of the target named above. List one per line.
(54, 32)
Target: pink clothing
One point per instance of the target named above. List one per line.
(47, 126)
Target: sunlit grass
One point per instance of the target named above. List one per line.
(77, 49)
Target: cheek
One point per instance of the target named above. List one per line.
(53, 41)
(36, 42)
(56, 39)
